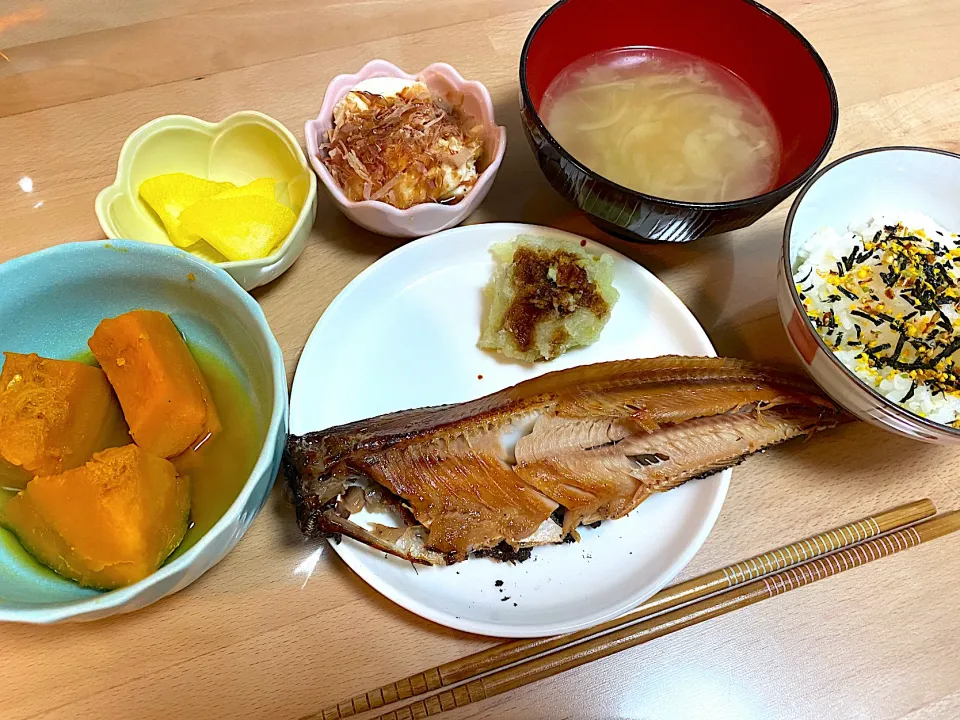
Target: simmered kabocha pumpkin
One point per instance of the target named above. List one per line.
(55, 414)
(107, 524)
(164, 396)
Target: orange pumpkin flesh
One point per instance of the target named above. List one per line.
(107, 524)
(164, 396)
(54, 414)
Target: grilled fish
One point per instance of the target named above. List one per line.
(527, 465)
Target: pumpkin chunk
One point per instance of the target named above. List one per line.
(54, 414)
(107, 524)
(162, 392)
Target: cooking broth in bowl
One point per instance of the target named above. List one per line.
(664, 123)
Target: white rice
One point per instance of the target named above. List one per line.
(816, 266)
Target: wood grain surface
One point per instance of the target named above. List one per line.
(263, 636)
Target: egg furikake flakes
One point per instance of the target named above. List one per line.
(884, 298)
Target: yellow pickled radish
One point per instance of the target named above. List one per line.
(169, 195)
(265, 187)
(247, 227)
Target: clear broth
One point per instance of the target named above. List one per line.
(218, 469)
(12, 477)
(665, 123)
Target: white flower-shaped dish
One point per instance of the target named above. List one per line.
(241, 148)
(426, 218)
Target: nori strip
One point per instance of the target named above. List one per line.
(910, 392)
(872, 319)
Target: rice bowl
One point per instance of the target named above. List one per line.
(913, 185)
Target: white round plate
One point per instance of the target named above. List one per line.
(403, 335)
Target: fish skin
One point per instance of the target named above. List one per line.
(594, 420)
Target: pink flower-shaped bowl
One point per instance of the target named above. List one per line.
(426, 218)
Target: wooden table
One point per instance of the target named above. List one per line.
(256, 637)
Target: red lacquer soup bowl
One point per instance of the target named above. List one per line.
(760, 47)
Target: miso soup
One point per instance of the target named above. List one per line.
(664, 123)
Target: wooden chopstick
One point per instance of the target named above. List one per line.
(720, 604)
(505, 654)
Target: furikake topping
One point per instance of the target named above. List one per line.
(914, 328)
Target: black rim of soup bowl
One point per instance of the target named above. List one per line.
(701, 219)
(787, 269)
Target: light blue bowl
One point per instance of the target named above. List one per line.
(50, 304)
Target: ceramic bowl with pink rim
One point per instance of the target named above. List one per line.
(425, 218)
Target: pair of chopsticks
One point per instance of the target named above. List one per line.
(514, 664)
